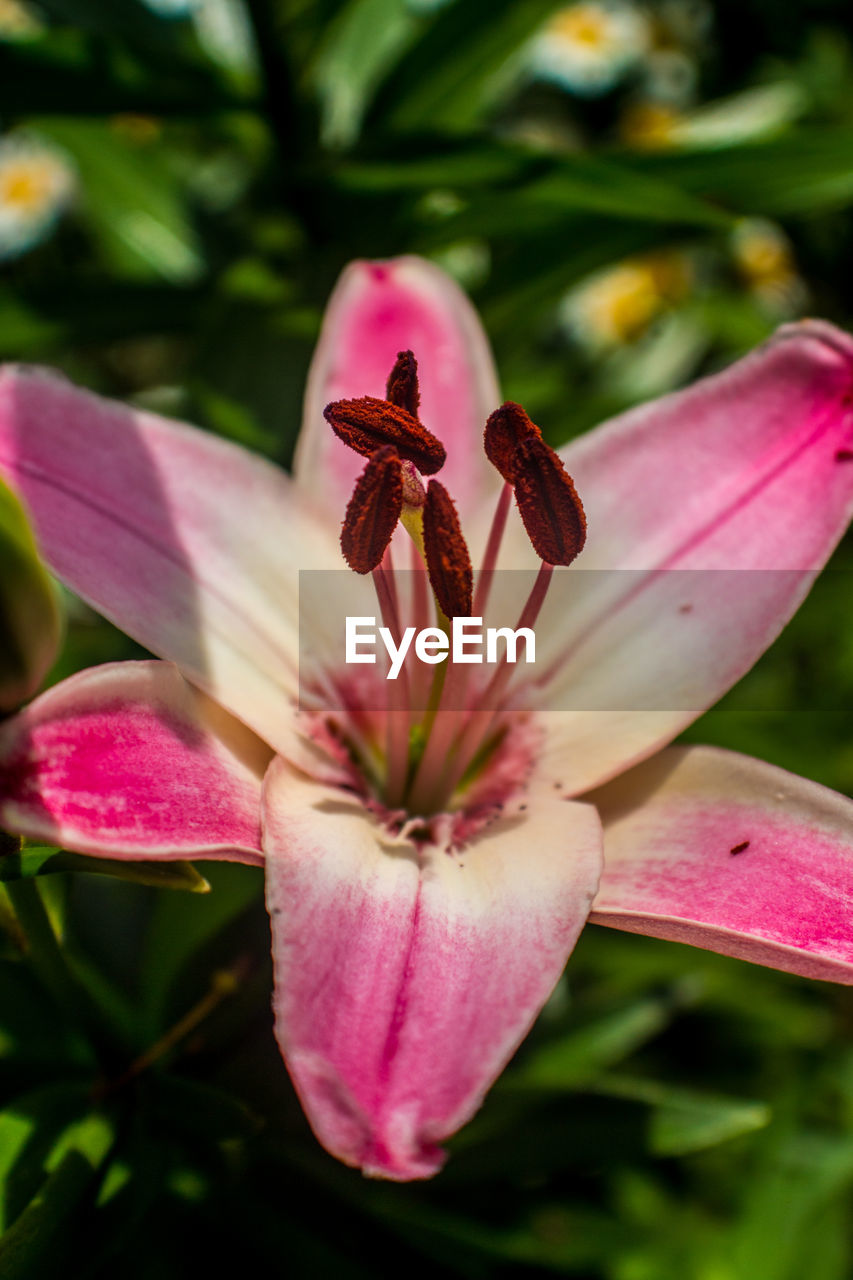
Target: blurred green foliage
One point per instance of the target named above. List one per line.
(29, 616)
(674, 1115)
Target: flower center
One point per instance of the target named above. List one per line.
(26, 188)
(443, 751)
(584, 25)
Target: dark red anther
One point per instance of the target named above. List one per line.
(368, 424)
(447, 557)
(505, 430)
(402, 388)
(550, 508)
(373, 511)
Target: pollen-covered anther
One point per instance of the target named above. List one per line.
(549, 505)
(448, 561)
(373, 511)
(505, 430)
(369, 424)
(402, 387)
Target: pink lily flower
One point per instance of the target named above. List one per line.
(421, 914)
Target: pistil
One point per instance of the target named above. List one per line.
(397, 712)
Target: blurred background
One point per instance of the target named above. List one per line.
(633, 194)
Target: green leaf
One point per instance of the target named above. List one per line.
(32, 1038)
(577, 1058)
(804, 171)
(685, 1120)
(362, 44)
(93, 311)
(44, 860)
(29, 1248)
(562, 206)
(806, 1173)
(761, 111)
(695, 1122)
(200, 1110)
(533, 190)
(29, 617)
(455, 73)
(134, 201)
(180, 927)
(128, 20)
(439, 163)
(33, 1130)
(563, 1238)
(68, 73)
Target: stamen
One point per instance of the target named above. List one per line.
(550, 508)
(373, 511)
(402, 388)
(447, 557)
(493, 546)
(368, 424)
(505, 430)
(482, 723)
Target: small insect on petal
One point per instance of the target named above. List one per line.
(448, 561)
(368, 424)
(550, 508)
(402, 388)
(505, 430)
(373, 511)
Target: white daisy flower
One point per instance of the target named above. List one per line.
(617, 305)
(36, 184)
(588, 46)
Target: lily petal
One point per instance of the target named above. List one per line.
(731, 854)
(723, 501)
(376, 310)
(693, 475)
(406, 978)
(183, 540)
(128, 760)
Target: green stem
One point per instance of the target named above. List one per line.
(42, 944)
(49, 962)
